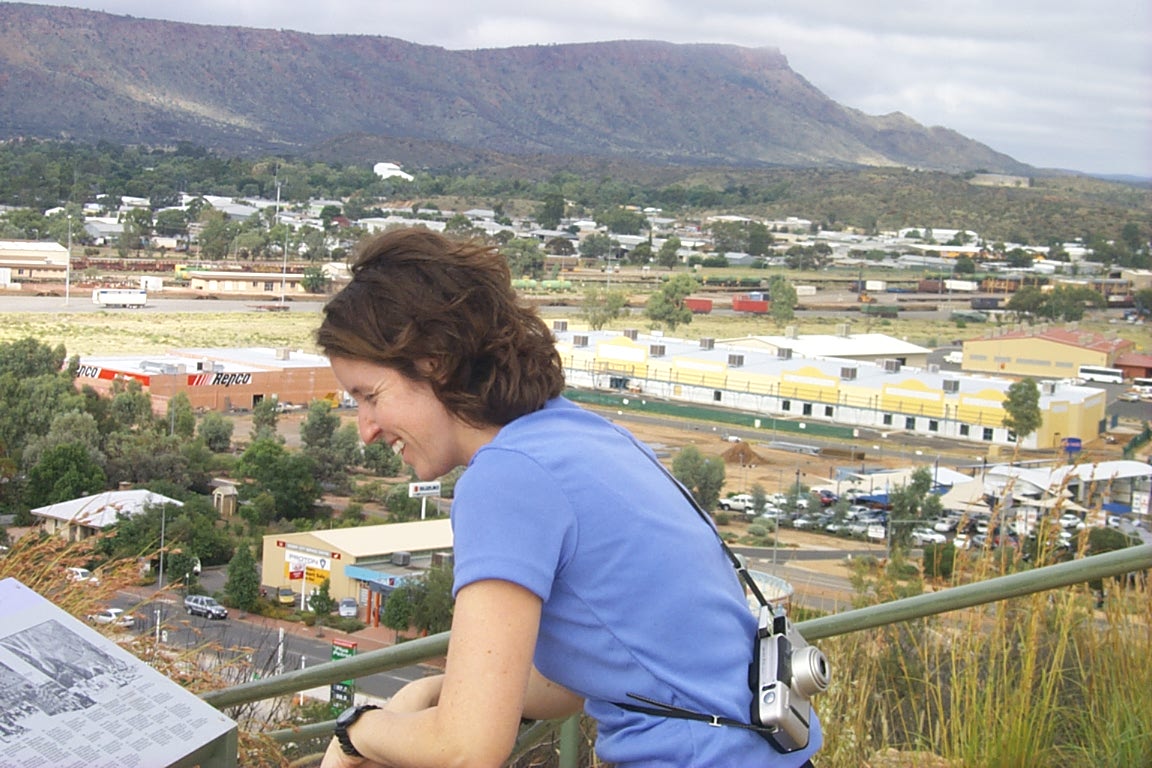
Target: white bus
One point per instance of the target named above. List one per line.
(1101, 374)
(1143, 386)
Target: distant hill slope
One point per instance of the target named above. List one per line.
(69, 73)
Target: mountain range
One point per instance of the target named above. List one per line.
(67, 73)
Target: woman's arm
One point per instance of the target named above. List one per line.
(482, 695)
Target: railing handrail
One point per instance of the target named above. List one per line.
(920, 606)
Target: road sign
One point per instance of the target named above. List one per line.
(1072, 444)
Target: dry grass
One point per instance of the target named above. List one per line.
(102, 333)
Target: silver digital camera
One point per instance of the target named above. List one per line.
(786, 672)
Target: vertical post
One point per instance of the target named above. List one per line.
(570, 742)
(68, 265)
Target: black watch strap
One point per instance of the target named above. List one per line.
(344, 722)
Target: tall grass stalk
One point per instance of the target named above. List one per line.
(1042, 680)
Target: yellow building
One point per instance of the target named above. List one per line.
(365, 563)
(1050, 353)
(772, 381)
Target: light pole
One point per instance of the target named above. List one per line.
(284, 269)
(160, 577)
(68, 265)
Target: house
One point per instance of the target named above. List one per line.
(78, 519)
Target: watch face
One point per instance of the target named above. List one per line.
(348, 716)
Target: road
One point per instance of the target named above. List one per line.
(254, 646)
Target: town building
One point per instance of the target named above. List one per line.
(24, 260)
(77, 519)
(365, 562)
(777, 383)
(1042, 352)
(218, 379)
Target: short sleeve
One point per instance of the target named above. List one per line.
(509, 522)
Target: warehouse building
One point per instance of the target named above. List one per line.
(883, 395)
(218, 379)
(1042, 352)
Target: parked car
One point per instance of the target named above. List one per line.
(285, 596)
(1069, 520)
(206, 606)
(856, 510)
(738, 503)
(81, 574)
(946, 524)
(922, 537)
(114, 616)
(349, 608)
(1129, 397)
(803, 522)
(827, 498)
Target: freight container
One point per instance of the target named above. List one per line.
(120, 297)
(698, 306)
(805, 290)
(743, 302)
(875, 285)
(964, 286)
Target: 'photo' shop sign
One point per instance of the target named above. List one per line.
(301, 565)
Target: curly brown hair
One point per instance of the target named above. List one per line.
(418, 296)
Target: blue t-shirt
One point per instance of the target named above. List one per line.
(638, 595)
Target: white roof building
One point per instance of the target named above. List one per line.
(80, 518)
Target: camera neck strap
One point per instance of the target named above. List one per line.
(737, 563)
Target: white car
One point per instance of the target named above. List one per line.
(349, 609)
(82, 574)
(739, 502)
(114, 616)
(924, 536)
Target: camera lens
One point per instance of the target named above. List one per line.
(810, 671)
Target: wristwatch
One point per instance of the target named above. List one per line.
(344, 722)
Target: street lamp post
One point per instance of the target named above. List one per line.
(160, 576)
(68, 265)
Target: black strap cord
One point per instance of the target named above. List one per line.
(660, 709)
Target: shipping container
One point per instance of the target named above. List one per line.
(966, 286)
(986, 302)
(743, 302)
(805, 290)
(698, 306)
(875, 285)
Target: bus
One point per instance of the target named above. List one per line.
(1143, 386)
(1100, 374)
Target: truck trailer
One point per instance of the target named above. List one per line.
(120, 297)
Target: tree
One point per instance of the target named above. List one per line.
(181, 418)
(1027, 301)
(783, 297)
(322, 603)
(551, 211)
(264, 418)
(602, 306)
(669, 254)
(242, 589)
(964, 266)
(667, 305)
(216, 431)
(314, 280)
(64, 472)
(1022, 408)
(596, 245)
(702, 476)
(287, 477)
(524, 257)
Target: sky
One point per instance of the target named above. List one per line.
(1052, 83)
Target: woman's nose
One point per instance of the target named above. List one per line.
(369, 429)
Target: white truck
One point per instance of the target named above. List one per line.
(120, 297)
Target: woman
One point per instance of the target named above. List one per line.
(583, 577)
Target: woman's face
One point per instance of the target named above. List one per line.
(407, 416)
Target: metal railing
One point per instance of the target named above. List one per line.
(1042, 579)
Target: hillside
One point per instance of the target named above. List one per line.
(131, 80)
